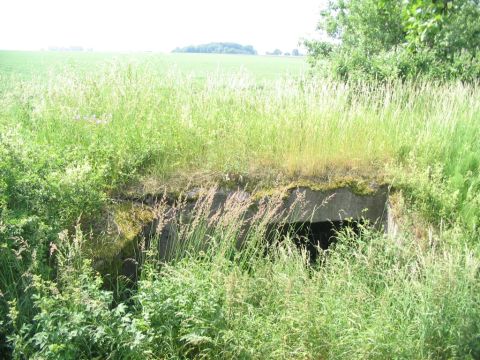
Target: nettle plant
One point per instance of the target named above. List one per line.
(75, 317)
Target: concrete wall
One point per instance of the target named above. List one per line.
(304, 205)
(299, 205)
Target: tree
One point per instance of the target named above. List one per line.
(391, 38)
(218, 48)
(446, 26)
(370, 24)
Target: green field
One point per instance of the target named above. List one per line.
(34, 64)
(79, 131)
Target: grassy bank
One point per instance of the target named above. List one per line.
(129, 124)
(74, 141)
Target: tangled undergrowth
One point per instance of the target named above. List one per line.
(370, 296)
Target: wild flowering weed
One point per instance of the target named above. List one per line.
(93, 119)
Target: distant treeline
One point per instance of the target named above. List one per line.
(68, 48)
(218, 48)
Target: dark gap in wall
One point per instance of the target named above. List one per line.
(313, 236)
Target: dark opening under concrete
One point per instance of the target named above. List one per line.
(314, 237)
(313, 216)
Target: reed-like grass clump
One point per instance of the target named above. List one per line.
(233, 123)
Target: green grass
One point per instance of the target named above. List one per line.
(34, 64)
(129, 123)
(79, 130)
(370, 298)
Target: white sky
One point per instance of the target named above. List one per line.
(138, 25)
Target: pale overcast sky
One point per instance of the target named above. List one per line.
(138, 25)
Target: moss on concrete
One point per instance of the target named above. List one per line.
(118, 235)
(125, 220)
(266, 183)
(358, 186)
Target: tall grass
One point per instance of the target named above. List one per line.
(369, 298)
(233, 123)
(84, 136)
(71, 143)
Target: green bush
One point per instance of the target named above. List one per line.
(370, 298)
(74, 318)
(183, 310)
(385, 40)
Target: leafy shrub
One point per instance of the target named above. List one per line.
(387, 39)
(183, 310)
(74, 317)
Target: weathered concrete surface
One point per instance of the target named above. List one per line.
(298, 205)
(305, 204)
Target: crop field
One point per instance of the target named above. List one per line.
(26, 64)
(81, 134)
